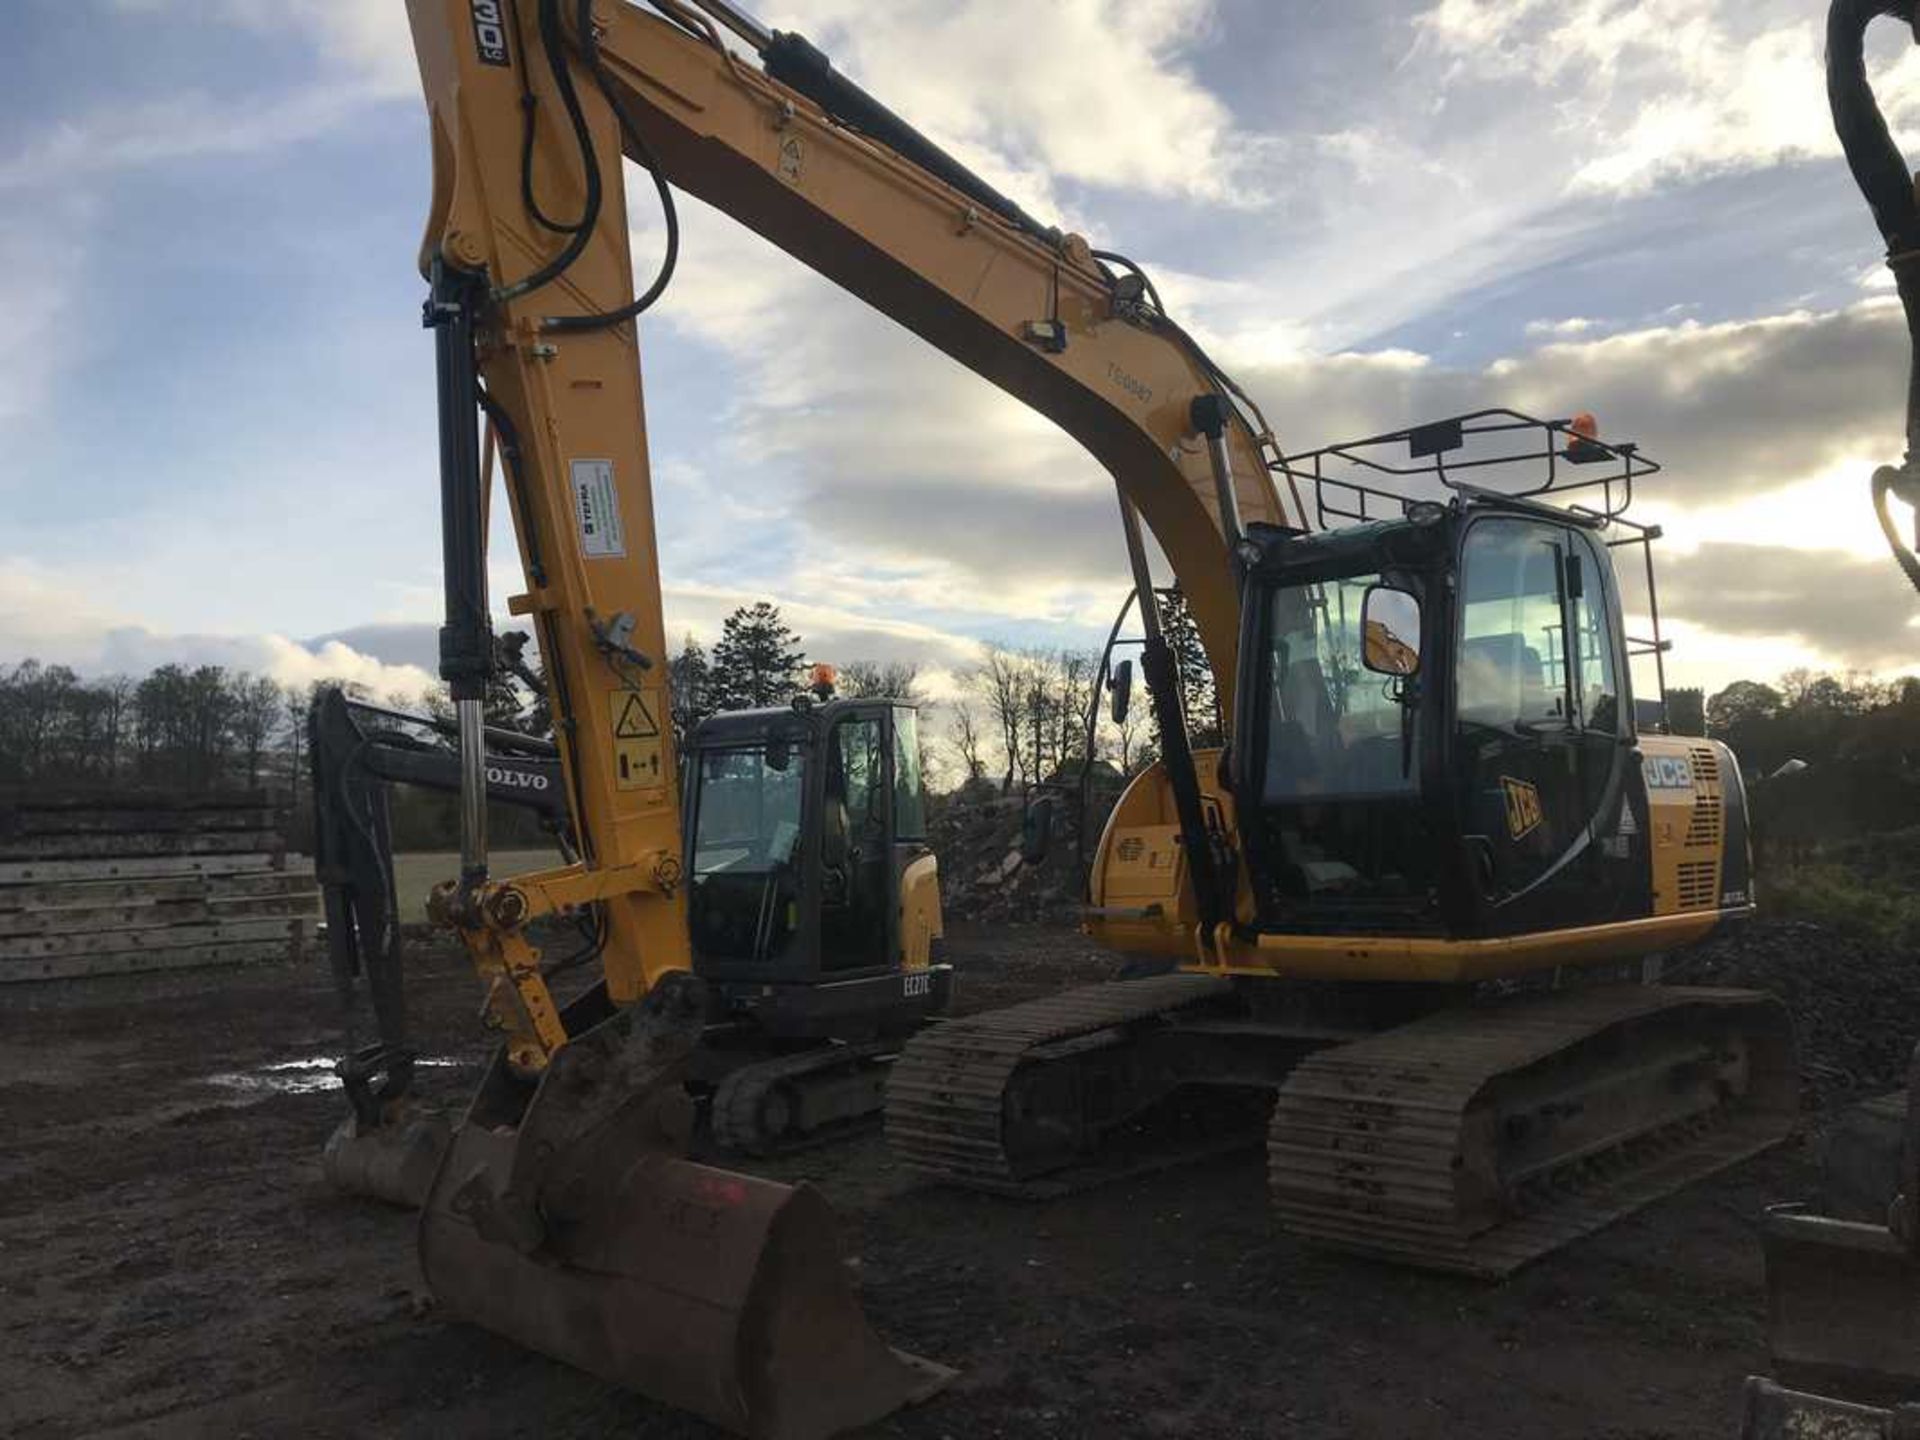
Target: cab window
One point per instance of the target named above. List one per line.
(1333, 726)
(1512, 670)
(909, 808)
(1593, 644)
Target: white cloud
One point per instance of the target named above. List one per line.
(42, 262)
(367, 39)
(46, 619)
(175, 127)
(919, 485)
(1567, 329)
(924, 489)
(1768, 429)
(1661, 89)
(1094, 91)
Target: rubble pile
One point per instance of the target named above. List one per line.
(1855, 1001)
(982, 874)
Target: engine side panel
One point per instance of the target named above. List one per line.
(920, 922)
(1698, 855)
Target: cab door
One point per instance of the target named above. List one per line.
(1520, 742)
(857, 919)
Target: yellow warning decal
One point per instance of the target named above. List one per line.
(637, 760)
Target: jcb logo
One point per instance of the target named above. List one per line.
(1523, 807)
(1667, 772)
(489, 32)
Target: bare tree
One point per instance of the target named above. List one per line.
(256, 712)
(119, 692)
(1132, 735)
(967, 739)
(1000, 682)
(1074, 674)
(875, 679)
(296, 701)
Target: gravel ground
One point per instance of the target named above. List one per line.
(171, 1264)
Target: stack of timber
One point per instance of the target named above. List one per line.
(110, 882)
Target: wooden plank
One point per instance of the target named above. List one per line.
(89, 894)
(162, 937)
(130, 867)
(81, 847)
(69, 967)
(71, 920)
(114, 821)
(123, 796)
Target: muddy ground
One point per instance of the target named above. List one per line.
(171, 1264)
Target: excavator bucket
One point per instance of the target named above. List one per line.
(1843, 1303)
(1770, 1412)
(1843, 1296)
(580, 1233)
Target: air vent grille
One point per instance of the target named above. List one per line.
(1704, 828)
(1697, 879)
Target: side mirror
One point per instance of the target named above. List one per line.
(1122, 687)
(1390, 624)
(1036, 831)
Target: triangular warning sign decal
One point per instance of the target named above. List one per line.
(635, 723)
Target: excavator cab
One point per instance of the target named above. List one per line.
(812, 895)
(1437, 733)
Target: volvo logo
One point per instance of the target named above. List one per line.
(515, 779)
(489, 32)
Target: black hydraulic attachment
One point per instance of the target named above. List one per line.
(354, 752)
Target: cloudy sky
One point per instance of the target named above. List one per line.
(216, 403)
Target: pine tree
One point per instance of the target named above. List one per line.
(689, 689)
(757, 661)
(1199, 697)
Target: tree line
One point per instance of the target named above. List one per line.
(1816, 718)
(1020, 716)
(173, 726)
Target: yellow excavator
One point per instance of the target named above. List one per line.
(1439, 813)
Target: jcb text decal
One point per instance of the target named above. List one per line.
(1667, 772)
(1523, 807)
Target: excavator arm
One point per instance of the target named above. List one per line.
(532, 107)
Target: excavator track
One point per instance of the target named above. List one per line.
(1479, 1138)
(948, 1104)
(769, 1107)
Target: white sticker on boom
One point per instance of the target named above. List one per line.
(596, 506)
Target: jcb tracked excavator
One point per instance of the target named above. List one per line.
(1394, 832)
